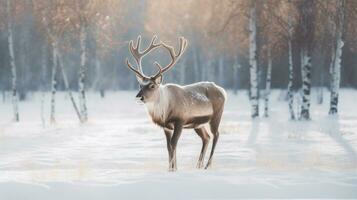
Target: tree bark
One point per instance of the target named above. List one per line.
(98, 74)
(65, 80)
(12, 62)
(253, 63)
(336, 68)
(291, 70)
(43, 82)
(267, 84)
(307, 19)
(306, 84)
(53, 82)
(82, 73)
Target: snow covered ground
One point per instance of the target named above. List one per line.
(120, 154)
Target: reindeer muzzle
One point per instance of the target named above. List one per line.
(139, 97)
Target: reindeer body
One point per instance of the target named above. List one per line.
(193, 104)
(174, 107)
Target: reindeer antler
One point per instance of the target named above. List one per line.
(138, 55)
(174, 57)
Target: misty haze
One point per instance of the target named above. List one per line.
(169, 99)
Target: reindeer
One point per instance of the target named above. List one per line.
(174, 107)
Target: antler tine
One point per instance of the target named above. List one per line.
(135, 51)
(151, 46)
(183, 45)
(159, 72)
(173, 55)
(138, 41)
(134, 70)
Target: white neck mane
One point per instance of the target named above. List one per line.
(158, 108)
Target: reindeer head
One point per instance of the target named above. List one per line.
(149, 84)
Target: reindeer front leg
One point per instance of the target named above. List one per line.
(174, 139)
(168, 134)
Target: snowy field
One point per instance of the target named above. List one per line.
(120, 154)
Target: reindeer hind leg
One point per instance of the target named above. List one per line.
(202, 132)
(214, 124)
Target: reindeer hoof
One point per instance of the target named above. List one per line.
(199, 165)
(208, 165)
(172, 169)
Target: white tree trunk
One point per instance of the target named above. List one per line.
(308, 17)
(65, 80)
(268, 84)
(291, 71)
(336, 68)
(306, 84)
(336, 77)
(82, 73)
(53, 83)
(253, 63)
(12, 62)
(290, 83)
(43, 82)
(98, 74)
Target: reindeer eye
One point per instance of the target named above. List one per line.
(151, 86)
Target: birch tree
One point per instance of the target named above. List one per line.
(53, 82)
(237, 23)
(337, 56)
(268, 83)
(253, 64)
(108, 26)
(83, 15)
(284, 17)
(43, 82)
(48, 15)
(82, 71)
(306, 24)
(290, 64)
(52, 17)
(270, 41)
(189, 19)
(10, 40)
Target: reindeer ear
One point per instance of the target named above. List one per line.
(158, 79)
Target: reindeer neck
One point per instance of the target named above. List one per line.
(158, 108)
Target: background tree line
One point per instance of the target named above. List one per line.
(77, 45)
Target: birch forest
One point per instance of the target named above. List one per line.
(76, 46)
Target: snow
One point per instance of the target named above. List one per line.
(120, 154)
